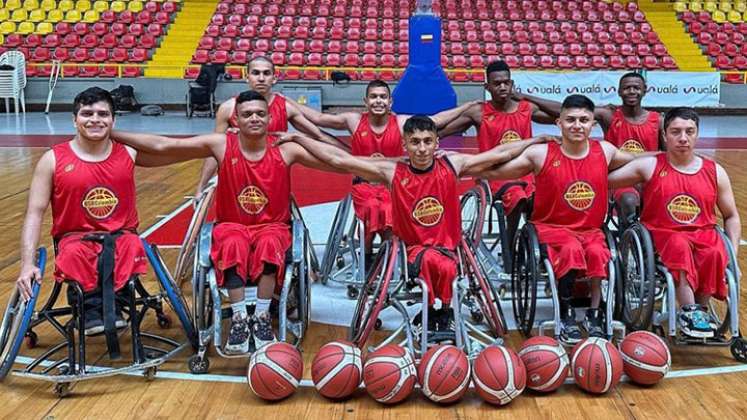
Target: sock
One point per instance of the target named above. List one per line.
(263, 305)
(239, 308)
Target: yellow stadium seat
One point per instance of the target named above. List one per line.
(4, 14)
(19, 15)
(118, 6)
(7, 27)
(66, 5)
(13, 4)
(725, 6)
(710, 6)
(740, 7)
(26, 28)
(91, 16)
(718, 16)
(680, 6)
(734, 16)
(83, 5)
(135, 6)
(101, 5)
(72, 16)
(2, 39)
(37, 15)
(43, 28)
(55, 15)
(30, 4)
(48, 5)
(695, 6)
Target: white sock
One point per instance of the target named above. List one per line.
(239, 308)
(263, 305)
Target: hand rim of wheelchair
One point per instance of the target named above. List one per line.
(525, 274)
(186, 253)
(336, 233)
(488, 298)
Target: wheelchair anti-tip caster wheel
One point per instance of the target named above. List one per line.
(340, 262)
(31, 339)
(477, 317)
(739, 349)
(164, 321)
(62, 389)
(378, 324)
(150, 373)
(352, 292)
(198, 365)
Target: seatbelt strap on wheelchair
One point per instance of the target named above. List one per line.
(105, 268)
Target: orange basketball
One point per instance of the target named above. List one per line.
(389, 374)
(646, 357)
(274, 371)
(546, 363)
(597, 365)
(499, 375)
(444, 374)
(337, 369)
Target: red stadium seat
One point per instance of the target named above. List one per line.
(40, 55)
(200, 56)
(627, 50)
(147, 41)
(51, 40)
(32, 41)
(70, 40)
(668, 63)
(369, 47)
(212, 30)
(724, 63)
(231, 31)
(388, 60)
(525, 49)
(238, 57)
(314, 59)
(617, 62)
(63, 28)
(352, 47)
(599, 62)
(650, 62)
(280, 45)
(369, 60)
(564, 62)
(119, 55)
(206, 43)
(128, 41)
(79, 55)
(491, 49)
(529, 62)
(243, 44)
(508, 48)
(163, 18)
(277, 58)
(61, 54)
(334, 47)
(457, 48)
(559, 49)
(132, 71)
(136, 29)
(100, 28)
(138, 55)
(609, 49)
(740, 62)
(118, 28)
(333, 59)
(371, 34)
(351, 60)
(144, 17)
(633, 62)
(107, 16)
(80, 28)
(248, 31)
(128, 17)
(542, 49)
(295, 59)
(582, 62)
(88, 71)
(261, 45)
(575, 49)
(219, 56)
(546, 62)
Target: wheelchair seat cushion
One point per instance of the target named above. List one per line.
(585, 251)
(437, 267)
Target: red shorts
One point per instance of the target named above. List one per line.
(617, 193)
(513, 195)
(437, 270)
(77, 260)
(249, 248)
(700, 254)
(373, 205)
(585, 251)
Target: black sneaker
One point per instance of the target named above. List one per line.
(694, 322)
(95, 323)
(594, 323)
(262, 330)
(238, 337)
(445, 320)
(570, 333)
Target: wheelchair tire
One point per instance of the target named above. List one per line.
(637, 277)
(336, 232)
(524, 278)
(487, 297)
(472, 203)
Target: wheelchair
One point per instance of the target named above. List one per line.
(484, 221)
(69, 361)
(532, 271)
(292, 306)
(200, 95)
(478, 319)
(650, 296)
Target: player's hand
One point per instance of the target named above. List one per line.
(546, 139)
(441, 153)
(516, 95)
(28, 274)
(283, 138)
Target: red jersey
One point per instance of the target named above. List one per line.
(366, 142)
(252, 192)
(93, 196)
(631, 137)
(572, 193)
(278, 115)
(678, 201)
(425, 205)
(498, 127)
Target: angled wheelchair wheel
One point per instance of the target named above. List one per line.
(619, 291)
(524, 277)
(373, 294)
(186, 255)
(16, 320)
(336, 233)
(312, 262)
(472, 206)
(637, 277)
(485, 294)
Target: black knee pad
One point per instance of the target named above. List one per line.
(565, 285)
(232, 279)
(269, 269)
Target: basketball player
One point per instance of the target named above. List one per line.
(252, 231)
(89, 182)
(425, 201)
(378, 133)
(570, 205)
(498, 121)
(261, 78)
(680, 193)
(629, 127)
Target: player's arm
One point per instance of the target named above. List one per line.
(635, 172)
(548, 107)
(302, 124)
(40, 194)
(180, 149)
(541, 117)
(442, 118)
(223, 115)
(336, 121)
(210, 165)
(662, 140)
(374, 170)
(617, 158)
(521, 165)
(728, 208)
(470, 116)
(603, 116)
(469, 165)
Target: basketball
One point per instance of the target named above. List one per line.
(499, 375)
(444, 374)
(337, 369)
(274, 371)
(646, 357)
(389, 374)
(546, 363)
(597, 365)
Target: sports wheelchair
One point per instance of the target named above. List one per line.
(201, 92)
(532, 270)
(69, 362)
(650, 296)
(478, 319)
(293, 304)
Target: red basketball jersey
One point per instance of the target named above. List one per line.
(93, 196)
(679, 201)
(498, 127)
(572, 193)
(252, 192)
(278, 115)
(634, 138)
(425, 205)
(366, 142)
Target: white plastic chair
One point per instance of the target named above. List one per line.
(13, 82)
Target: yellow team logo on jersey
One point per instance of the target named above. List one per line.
(632, 146)
(428, 211)
(100, 202)
(683, 209)
(579, 195)
(252, 200)
(510, 136)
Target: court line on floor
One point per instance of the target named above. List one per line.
(165, 219)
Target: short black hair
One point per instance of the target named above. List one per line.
(633, 74)
(250, 95)
(578, 101)
(497, 65)
(90, 96)
(683, 112)
(377, 83)
(419, 123)
(260, 58)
